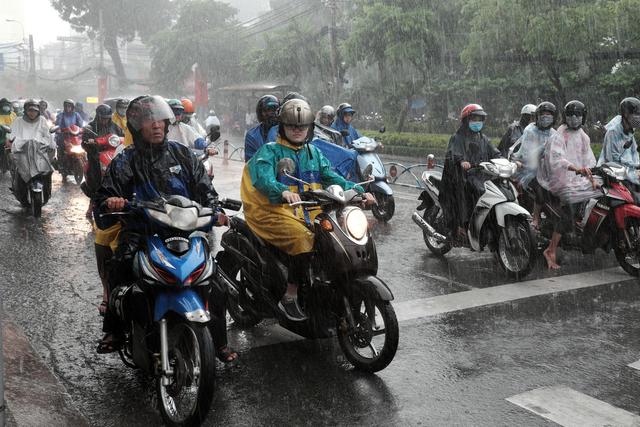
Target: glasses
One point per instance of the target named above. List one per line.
(296, 127)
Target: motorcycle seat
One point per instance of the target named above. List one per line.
(241, 226)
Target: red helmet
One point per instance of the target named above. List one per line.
(188, 105)
(472, 109)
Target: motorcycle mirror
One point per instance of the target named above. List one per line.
(286, 166)
(5, 128)
(54, 129)
(383, 129)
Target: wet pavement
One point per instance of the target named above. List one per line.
(452, 369)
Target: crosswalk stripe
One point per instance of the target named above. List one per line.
(569, 408)
(635, 365)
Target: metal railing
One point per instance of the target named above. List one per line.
(396, 171)
(230, 151)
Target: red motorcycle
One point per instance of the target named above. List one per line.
(611, 221)
(75, 159)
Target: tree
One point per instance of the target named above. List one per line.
(120, 19)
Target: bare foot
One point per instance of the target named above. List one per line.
(551, 259)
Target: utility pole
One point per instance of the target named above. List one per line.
(103, 83)
(32, 61)
(335, 78)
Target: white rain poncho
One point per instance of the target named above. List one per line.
(185, 135)
(613, 149)
(32, 159)
(565, 148)
(532, 143)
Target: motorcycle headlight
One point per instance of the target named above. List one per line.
(114, 140)
(356, 223)
(76, 149)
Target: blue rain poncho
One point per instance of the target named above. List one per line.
(532, 143)
(613, 148)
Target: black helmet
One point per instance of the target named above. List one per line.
(5, 101)
(630, 106)
(31, 104)
(292, 95)
(103, 111)
(5, 106)
(575, 108)
(122, 103)
(546, 107)
(148, 108)
(344, 108)
(265, 103)
(69, 102)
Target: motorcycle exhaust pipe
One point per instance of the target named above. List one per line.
(431, 232)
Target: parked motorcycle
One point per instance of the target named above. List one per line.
(342, 296)
(75, 159)
(165, 307)
(366, 148)
(497, 222)
(611, 221)
(5, 150)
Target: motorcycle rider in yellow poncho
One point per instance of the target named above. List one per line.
(266, 196)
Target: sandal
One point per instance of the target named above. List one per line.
(109, 344)
(102, 308)
(226, 355)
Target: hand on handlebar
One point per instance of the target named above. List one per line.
(585, 172)
(115, 204)
(222, 220)
(212, 151)
(465, 165)
(290, 197)
(369, 199)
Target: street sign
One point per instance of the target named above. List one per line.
(92, 100)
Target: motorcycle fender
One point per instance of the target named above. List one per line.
(373, 287)
(365, 159)
(36, 186)
(184, 302)
(626, 211)
(509, 209)
(380, 187)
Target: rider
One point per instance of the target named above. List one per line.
(65, 119)
(343, 124)
(119, 116)
(31, 126)
(619, 143)
(266, 196)
(567, 153)
(7, 116)
(530, 151)
(515, 129)
(267, 128)
(323, 129)
(83, 114)
(461, 187)
(105, 240)
(181, 132)
(151, 168)
(329, 141)
(44, 112)
(188, 117)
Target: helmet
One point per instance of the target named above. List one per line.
(148, 108)
(296, 112)
(5, 106)
(529, 109)
(79, 106)
(31, 104)
(187, 105)
(265, 103)
(327, 112)
(470, 109)
(103, 111)
(292, 95)
(69, 102)
(630, 106)
(546, 107)
(344, 108)
(575, 108)
(122, 103)
(176, 106)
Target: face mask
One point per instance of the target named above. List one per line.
(574, 122)
(6, 109)
(476, 126)
(634, 121)
(545, 121)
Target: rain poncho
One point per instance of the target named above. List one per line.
(327, 133)
(340, 125)
(256, 137)
(120, 121)
(186, 135)
(565, 148)
(32, 159)
(456, 195)
(65, 120)
(513, 133)
(532, 143)
(613, 148)
(261, 190)
(197, 126)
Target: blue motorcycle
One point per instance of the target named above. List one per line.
(164, 310)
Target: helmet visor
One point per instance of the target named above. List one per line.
(148, 110)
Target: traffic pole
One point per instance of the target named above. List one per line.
(225, 153)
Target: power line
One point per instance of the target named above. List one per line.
(292, 18)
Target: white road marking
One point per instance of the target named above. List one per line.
(570, 408)
(442, 304)
(635, 365)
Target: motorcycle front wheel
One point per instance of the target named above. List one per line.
(372, 343)
(516, 247)
(385, 208)
(186, 400)
(629, 257)
(36, 203)
(78, 172)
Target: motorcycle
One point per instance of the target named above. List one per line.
(611, 221)
(109, 145)
(31, 181)
(497, 222)
(164, 309)
(5, 150)
(75, 159)
(366, 148)
(342, 296)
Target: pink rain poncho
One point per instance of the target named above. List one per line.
(564, 148)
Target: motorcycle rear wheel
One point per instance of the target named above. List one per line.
(436, 248)
(386, 207)
(36, 203)
(359, 344)
(244, 318)
(186, 401)
(517, 256)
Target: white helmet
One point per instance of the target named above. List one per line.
(529, 109)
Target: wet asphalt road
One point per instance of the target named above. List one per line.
(451, 370)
